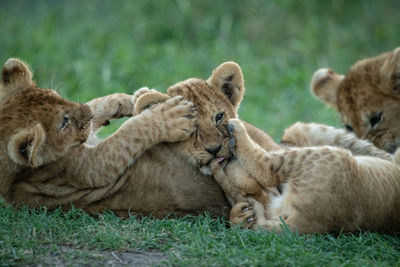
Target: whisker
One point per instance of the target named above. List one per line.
(52, 81)
(79, 90)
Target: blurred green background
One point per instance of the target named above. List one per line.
(86, 49)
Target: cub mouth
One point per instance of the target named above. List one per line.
(223, 161)
(206, 168)
(222, 157)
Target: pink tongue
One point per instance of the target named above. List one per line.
(219, 160)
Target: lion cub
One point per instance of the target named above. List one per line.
(367, 98)
(310, 189)
(45, 156)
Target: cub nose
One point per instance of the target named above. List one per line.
(213, 149)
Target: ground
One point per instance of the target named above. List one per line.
(86, 49)
(74, 238)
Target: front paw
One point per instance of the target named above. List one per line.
(110, 107)
(243, 213)
(148, 100)
(122, 106)
(178, 119)
(236, 132)
(140, 92)
(235, 128)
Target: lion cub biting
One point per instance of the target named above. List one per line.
(311, 189)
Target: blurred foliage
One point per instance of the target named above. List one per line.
(86, 48)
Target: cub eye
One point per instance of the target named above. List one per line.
(219, 117)
(64, 122)
(374, 120)
(349, 128)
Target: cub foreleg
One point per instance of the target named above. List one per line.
(312, 134)
(171, 121)
(110, 107)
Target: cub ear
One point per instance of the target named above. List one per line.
(25, 145)
(15, 75)
(228, 78)
(148, 99)
(325, 84)
(390, 71)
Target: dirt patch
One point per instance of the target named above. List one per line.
(64, 255)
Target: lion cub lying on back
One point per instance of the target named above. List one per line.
(311, 189)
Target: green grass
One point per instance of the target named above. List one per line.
(27, 236)
(86, 49)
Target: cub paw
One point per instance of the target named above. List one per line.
(148, 99)
(110, 107)
(237, 132)
(178, 118)
(243, 213)
(140, 92)
(235, 128)
(122, 106)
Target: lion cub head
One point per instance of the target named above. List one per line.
(37, 126)
(217, 100)
(367, 97)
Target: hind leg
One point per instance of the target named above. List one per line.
(251, 215)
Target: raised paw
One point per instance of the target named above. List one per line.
(141, 91)
(235, 127)
(178, 117)
(238, 134)
(148, 100)
(110, 107)
(232, 143)
(121, 105)
(243, 213)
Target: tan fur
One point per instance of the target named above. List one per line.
(146, 98)
(134, 170)
(313, 134)
(371, 87)
(110, 107)
(323, 188)
(44, 158)
(16, 76)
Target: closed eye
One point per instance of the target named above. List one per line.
(375, 119)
